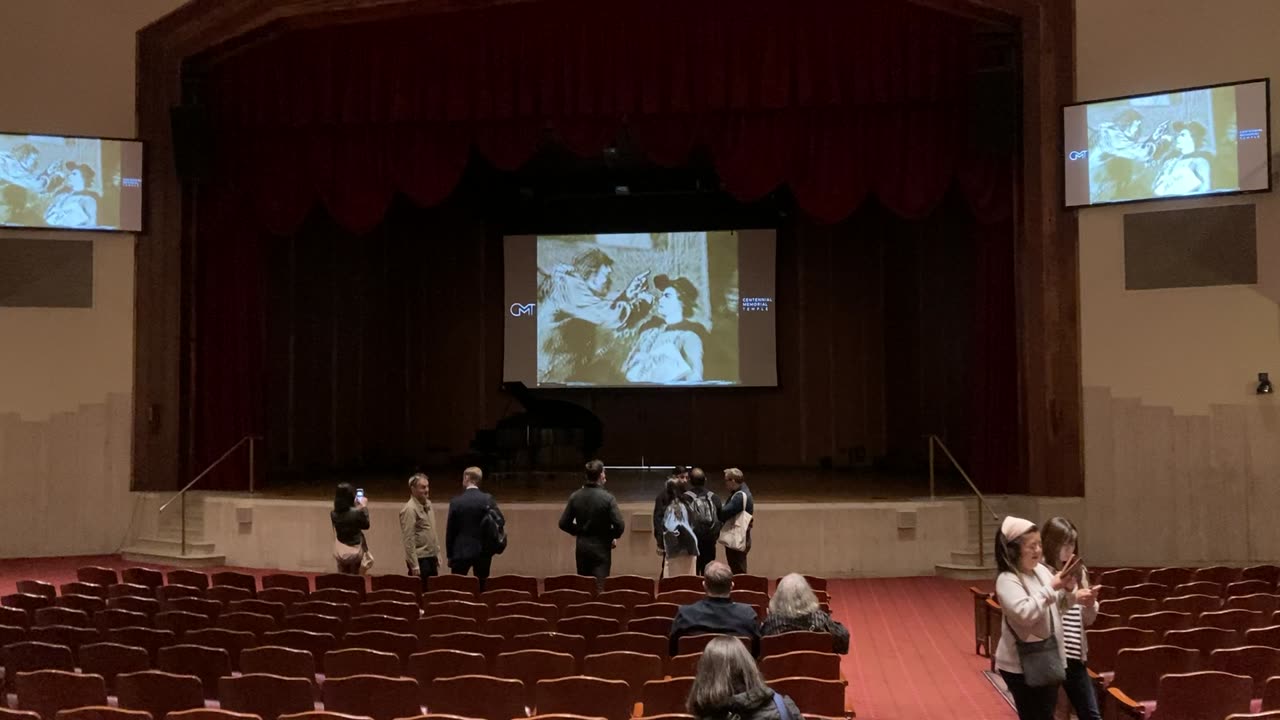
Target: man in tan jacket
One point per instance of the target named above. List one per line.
(418, 531)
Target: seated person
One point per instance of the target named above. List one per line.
(670, 346)
(715, 613)
(794, 607)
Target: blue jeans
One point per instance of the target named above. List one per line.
(1080, 690)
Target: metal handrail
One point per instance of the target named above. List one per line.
(935, 441)
(182, 494)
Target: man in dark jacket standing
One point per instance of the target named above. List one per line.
(701, 500)
(739, 501)
(593, 517)
(716, 613)
(465, 541)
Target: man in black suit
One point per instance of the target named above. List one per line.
(716, 613)
(465, 541)
(593, 517)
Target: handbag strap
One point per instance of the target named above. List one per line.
(783, 713)
(1005, 617)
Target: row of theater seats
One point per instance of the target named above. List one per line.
(152, 578)
(1209, 654)
(425, 658)
(102, 712)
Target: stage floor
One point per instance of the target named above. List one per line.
(799, 485)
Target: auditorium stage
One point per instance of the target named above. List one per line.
(775, 485)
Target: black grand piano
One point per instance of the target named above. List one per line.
(548, 434)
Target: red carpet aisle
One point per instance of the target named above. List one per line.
(911, 652)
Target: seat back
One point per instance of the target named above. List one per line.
(81, 587)
(546, 611)
(475, 610)
(487, 645)
(444, 625)
(1259, 663)
(87, 604)
(400, 583)
(583, 695)
(55, 615)
(264, 695)
(97, 575)
(684, 665)
(633, 642)
(37, 587)
(407, 611)
(206, 663)
(274, 610)
(341, 581)
(1267, 636)
(383, 594)
(651, 625)
(426, 667)
(581, 583)
(435, 596)
(235, 579)
(638, 583)
(1193, 604)
(589, 626)
(251, 622)
(1161, 622)
(617, 613)
(189, 578)
(692, 583)
(821, 697)
(402, 645)
(146, 605)
(633, 668)
(142, 576)
(110, 660)
(227, 593)
(179, 622)
(1205, 694)
(1238, 620)
(1217, 574)
(209, 714)
(565, 597)
(1265, 603)
(283, 595)
(14, 617)
(72, 637)
(1138, 670)
(795, 641)
(498, 597)
(1202, 639)
(311, 622)
(172, 592)
(276, 660)
(360, 661)
(383, 623)
(1170, 577)
(158, 692)
(339, 595)
(1124, 607)
(697, 643)
(31, 656)
(750, 597)
(48, 691)
(522, 583)
(342, 611)
(1198, 587)
(26, 601)
(377, 697)
(625, 597)
(530, 666)
(101, 712)
(665, 696)
(233, 641)
(574, 645)
(1122, 577)
(478, 696)
(511, 625)
(284, 580)
(681, 597)
(115, 617)
(801, 663)
(1265, 573)
(654, 610)
(315, 643)
(1149, 590)
(200, 606)
(463, 583)
(1105, 645)
(149, 638)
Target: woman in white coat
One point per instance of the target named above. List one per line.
(1031, 597)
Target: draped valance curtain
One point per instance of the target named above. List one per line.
(838, 99)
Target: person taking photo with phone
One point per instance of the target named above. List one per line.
(350, 518)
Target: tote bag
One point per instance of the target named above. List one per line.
(733, 534)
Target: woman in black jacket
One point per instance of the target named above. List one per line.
(729, 687)
(350, 517)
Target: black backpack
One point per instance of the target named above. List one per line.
(493, 530)
(702, 514)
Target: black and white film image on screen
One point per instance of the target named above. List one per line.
(1180, 143)
(638, 308)
(63, 182)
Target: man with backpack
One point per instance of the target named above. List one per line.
(476, 530)
(704, 516)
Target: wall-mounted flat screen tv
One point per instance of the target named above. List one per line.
(1212, 140)
(70, 183)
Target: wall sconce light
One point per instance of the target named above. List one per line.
(1264, 384)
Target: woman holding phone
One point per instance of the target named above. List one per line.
(1031, 655)
(1061, 543)
(350, 517)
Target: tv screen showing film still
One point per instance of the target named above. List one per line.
(75, 183)
(1176, 144)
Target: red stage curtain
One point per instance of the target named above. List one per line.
(836, 99)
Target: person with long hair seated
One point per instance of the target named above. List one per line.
(729, 685)
(1031, 656)
(670, 346)
(1061, 543)
(794, 607)
(1186, 170)
(350, 518)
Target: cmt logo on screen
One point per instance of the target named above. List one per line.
(518, 309)
(1077, 154)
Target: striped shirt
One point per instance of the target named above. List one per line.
(1072, 631)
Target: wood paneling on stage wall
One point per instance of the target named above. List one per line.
(385, 351)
